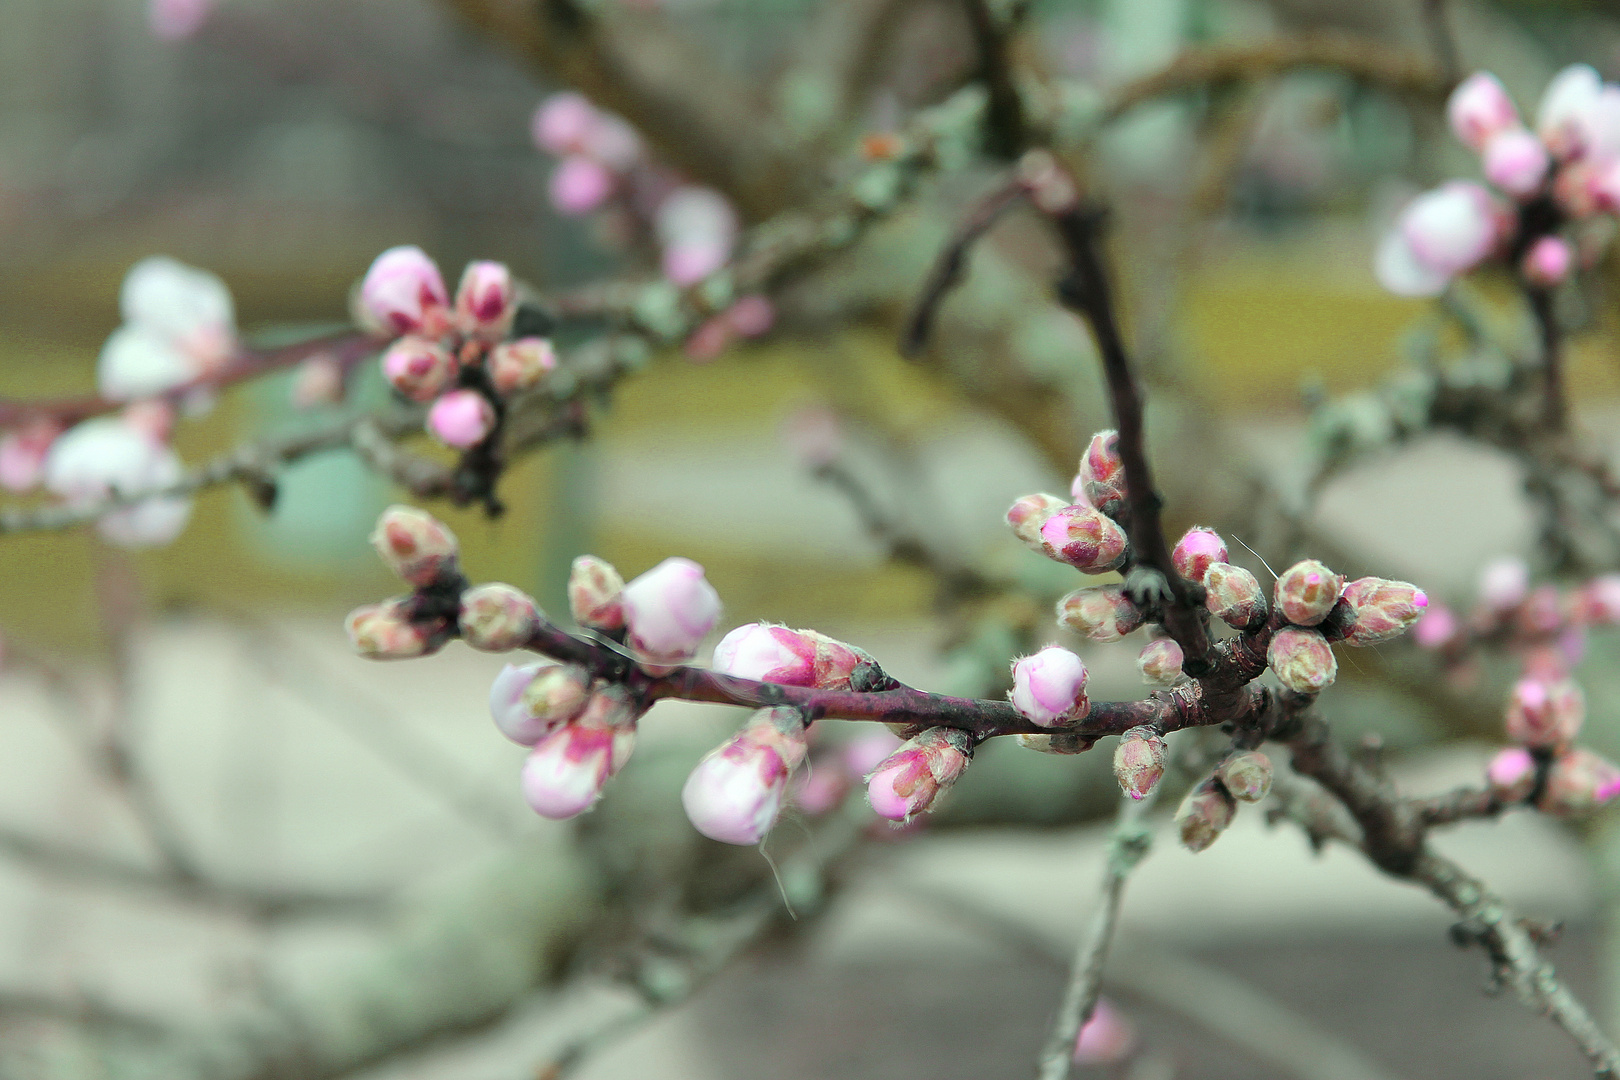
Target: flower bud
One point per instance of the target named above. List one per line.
(1139, 761)
(1545, 714)
(1436, 627)
(1451, 228)
(1479, 108)
(418, 368)
(497, 617)
(1504, 583)
(1246, 775)
(385, 631)
(580, 184)
(735, 793)
(1543, 612)
(1302, 659)
(1516, 162)
(1598, 601)
(1307, 591)
(1084, 538)
(1511, 774)
(1049, 688)
(527, 702)
(1233, 595)
(1204, 814)
(1100, 612)
(1106, 1039)
(415, 545)
(563, 123)
(1102, 471)
(486, 300)
(909, 780)
(1548, 262)
(461, 419)
(1578, 783)
(521, 364)
(1028, 514)
(1567, 104)
(1383, 609)
(1160, 662)
(565, 773)
(777, 654)
(669, 610)
(596, 594)
(402, 293)
(1197, 551)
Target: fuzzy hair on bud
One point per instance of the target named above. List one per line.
(497, 617)
(908, 781)
(1511, 774)
(1383, 609)
(1084, 538)
(1160, 662)
(1204, 814)
(735, 793)
(1246, 774)
(1307, 591)
(1049, 688)
(1302, 659)
(565, 773)
(1578, 783)
(415, 545)
(528, 701)
(1102, 471)
(520, 365)
(1545, 715)
(1100, 612)
(596, 594)
(670, 610)
(1139, 761)
(1197, 551)
(386, 631)
(1028, 514)
(1234, 596)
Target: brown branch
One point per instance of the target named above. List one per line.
(1005, 132)
(1555, 411)
(951, 262)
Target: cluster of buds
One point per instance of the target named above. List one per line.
(1206, 811)
(1564, 173)
(459, 358)
(663, 615)
(1314, 601)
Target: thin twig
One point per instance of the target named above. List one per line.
(1005, 134)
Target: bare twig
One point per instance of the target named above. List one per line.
(1005, 135)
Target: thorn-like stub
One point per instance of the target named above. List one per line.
(1147, 588)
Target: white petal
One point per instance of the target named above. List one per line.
(100, 457)
(1399, 270)
(137, 362)
(1565, 105)
(175, 300)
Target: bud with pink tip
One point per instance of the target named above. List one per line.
(580, 184)
(1084, 538)
(415, 545)
(386, 631)
(1511, 774)
(1234, 596)
(1246, 774)
(461, 419)
(1049, 688)
(1563, 118)
(563, 122)
(777, 654)
(1139, 761)
(485, 299)
(1436, 627)
(1548, 262)
(1504, 583)
(1102, 471)
(1383, 609)
(527, 702)
(1160, 662)
(1578, 783)
(909, 780)
(1516, 162)
(1302, 659)
(418, 368)
(1197, 551)
(1105, 1039)
(497, 617)
(1028, 514)
(735, 793)
(1307, 591)
(669, 610)
(1479, 108)
(1204, 814)
(521, 364)
(596, 594)
(565, 773)
(1545, 714)
(1439, 235)
(1100, 612)
(402, 293)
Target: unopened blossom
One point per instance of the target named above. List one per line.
(908, 781)
(1101, 478)
(1139, 761)
(580, 184)
(403, 293)
(461, 419)
(563, 122)
(1542, 613)
(697, 228)
(1204, 814)
(1545, 714)
(564, 774)
(419, 368)
(1514, 161)
(1160, 662)
(416, 545)
(1569, 106)
(670, 610)
(386, 631)
(1100, 612)
(1440, 234)
(1246, 775)
(179, 326)
(1105, 1039)
(1548, 262)
(176, 20)
(521, 364)
(106, 458)
(1436, 627)
(1234, 596)
(596, 594)
(1480, 108)
(22, 454)
(1511, 774)
(1383, 609)
(1197, 551)
(1049, 688)
(1578, 783)
(485, 299)
(735, 793)
(497, 617)
(1302, 659)
(1029, 513)
(528, 701)
(1084, 538)
(1504, 583)
(1598, 601)
(777, 654)
(1306, 592)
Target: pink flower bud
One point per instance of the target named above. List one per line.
(385, 632)
(1543, 612)
(565, 773)
(1160, 662)
(1383, 609)
(1480, 108)
(521, 364)
(1548, 262)
(1436, 627)
(1233, 595)
(1101, 613)
(528, 702)
(752, 315)
(580, 185)
(1246, 775)
(776, 654)
(1139, 761)
(403, 293)
(1195, 552)
(1204, 814)
(1302, 659)
(415, 545)
(486, 299)
(562, 123)
(1504, 583)
(1450, 228)
(418, 368)
(669, 610)
(688, 262)
(461, 419)
(1084, 538)
(497, 617)
(1511, 774)
(1102, 470)
(1578, 783)
(23, 452)
(1049, 688)
(1563, 119)
(1105, 1039)
(1307, 591)
(909, 780)
(1545, 714)
(735, 793)
(1516, 162)
(1028, 514)
(596, 594)
(1598, 601)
